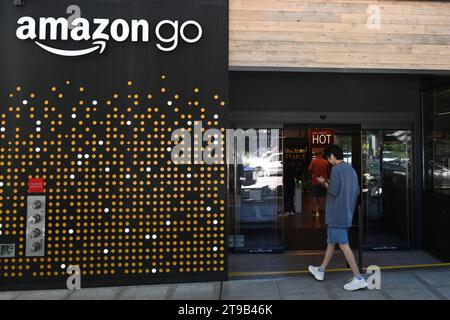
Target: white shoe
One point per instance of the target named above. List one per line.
(355, 284)
(319, 275)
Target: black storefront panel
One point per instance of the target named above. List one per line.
(90, 114)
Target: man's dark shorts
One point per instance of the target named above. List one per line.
(318, 191)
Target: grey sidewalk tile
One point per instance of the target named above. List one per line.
(410, 284)
(302, 284)
(9, 295)
(365, 294)
(250, 290)
(399, 280)
(435, 278)
(197, 291)
(155, 292)
(306, 296)
(337, 280)
(44, 295)
(445, 291)
(335, 285)
(95, 293)
(412, 294)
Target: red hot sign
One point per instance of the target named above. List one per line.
(321, 137)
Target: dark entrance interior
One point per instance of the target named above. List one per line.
(305, 229)
(272, 205)
(385, 107)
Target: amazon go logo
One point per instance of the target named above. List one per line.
(169, 33)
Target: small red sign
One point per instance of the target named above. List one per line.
(321, 137)
(36, 185)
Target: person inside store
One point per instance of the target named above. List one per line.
(343, 191)
(289, 189)
(318, 167)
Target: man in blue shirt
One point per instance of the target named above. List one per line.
(343, 192)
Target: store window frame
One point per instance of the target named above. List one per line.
(431, 131)
(410, 185)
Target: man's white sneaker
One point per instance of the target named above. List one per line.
(355, 284)
(316, 273)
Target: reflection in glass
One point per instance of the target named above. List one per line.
(256, 205)
(345, 142)
(437, 141)
(386, 188)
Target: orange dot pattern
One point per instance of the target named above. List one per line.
(117, 206)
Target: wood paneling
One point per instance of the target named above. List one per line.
(334, 34)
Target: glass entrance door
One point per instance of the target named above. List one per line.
(386, 188)
(256, 189)
(305, 228)
(271, 205)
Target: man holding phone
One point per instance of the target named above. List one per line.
(343, 191)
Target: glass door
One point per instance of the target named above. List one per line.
(256, 191)
(386, 188)
(305, 228)
(348, 137)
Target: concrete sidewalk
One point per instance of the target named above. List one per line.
(400, 284)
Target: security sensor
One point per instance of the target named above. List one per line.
(323, 116)
(18, 3)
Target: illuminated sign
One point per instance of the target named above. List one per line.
(99, 31)
(321, 137)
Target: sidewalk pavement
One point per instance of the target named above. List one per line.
(417, 284)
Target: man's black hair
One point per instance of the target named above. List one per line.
(336, 151)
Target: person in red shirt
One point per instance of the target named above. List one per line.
(318, 167)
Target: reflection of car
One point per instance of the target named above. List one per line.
(441, 175)
(248, 178)
(267, 165)
(395, 164)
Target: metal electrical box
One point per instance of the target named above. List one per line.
(35, 243)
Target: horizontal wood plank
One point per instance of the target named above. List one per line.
(314, 33)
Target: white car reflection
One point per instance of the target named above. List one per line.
(260, 182)
(441, 175)
(267, 165)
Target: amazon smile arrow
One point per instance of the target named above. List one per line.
(75, 53)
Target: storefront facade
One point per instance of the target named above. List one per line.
(345, 65)
(89, 120)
